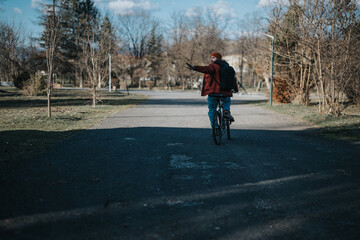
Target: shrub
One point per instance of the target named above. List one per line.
(150, 84)
(115, 82)
(352, 91)
(281, 91)
(35, 86)
(21, 79)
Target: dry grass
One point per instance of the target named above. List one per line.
(345, 127)
(26, 129)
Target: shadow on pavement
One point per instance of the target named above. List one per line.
(175, 183)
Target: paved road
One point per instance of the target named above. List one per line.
(153, 172)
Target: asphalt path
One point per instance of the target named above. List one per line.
(154, 172)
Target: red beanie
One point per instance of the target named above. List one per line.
(217, 55)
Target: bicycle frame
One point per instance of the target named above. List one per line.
(220, 123)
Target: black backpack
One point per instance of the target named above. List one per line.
(227, 76)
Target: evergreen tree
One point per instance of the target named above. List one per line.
(67, 40)
(154, 51)
(107, 42)
(88, 15)
(107, 32)
(76, 16)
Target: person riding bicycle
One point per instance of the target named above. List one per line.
(210, 86)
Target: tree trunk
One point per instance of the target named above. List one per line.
(99, 79)
(77, 77)
(127, 89)
(301, 98)
(267, 81)
(81, 83)
(50, 81)
(94, 96)
(259, 86)
(49, 101)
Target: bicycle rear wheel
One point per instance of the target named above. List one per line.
(216, 130)
(228, 129)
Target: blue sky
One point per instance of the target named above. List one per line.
(25, 12)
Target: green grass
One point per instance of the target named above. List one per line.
(345, 127)
(26, 130)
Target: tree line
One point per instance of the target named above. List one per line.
(315, 49)
(316, 45)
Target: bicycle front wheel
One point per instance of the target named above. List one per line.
(216, 130)
(228, 129)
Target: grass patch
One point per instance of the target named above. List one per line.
(345, 127)
(25, 128)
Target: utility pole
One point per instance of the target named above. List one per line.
(109, 72)
(272, 66)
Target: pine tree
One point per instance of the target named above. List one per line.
(76, 16)
(107, 40)
(107, 32)
(68, 50)
(154, 52)
(88, 15)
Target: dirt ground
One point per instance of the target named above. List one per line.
(154, 172)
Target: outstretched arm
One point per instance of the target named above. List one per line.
(190, 67)
(210, 69)
(203, 69)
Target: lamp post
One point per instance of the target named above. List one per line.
(272, 66)
(109, 72)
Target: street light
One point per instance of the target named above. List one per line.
(272, 66)
(109, 72)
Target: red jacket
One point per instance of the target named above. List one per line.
(209, 84)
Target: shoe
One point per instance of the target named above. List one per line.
(228, 116)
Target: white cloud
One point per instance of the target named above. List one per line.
(193, 11)
(18, 10)
(265, 3)
(36, 3)
(123, 7)
(221, 8)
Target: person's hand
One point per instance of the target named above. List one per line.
(189, 66)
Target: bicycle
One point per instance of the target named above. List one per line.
(220, 124)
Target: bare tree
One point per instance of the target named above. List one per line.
(314, 47)
(254, 51)
(135, 31)
(192, 40)
(176, 51)
(340, 61)
(291, 33)
(95, 51)
(120, 67)
(332, 29)
(10, 43)
(167, 73)
(51, 40)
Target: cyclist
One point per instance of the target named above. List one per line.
(210, 86)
